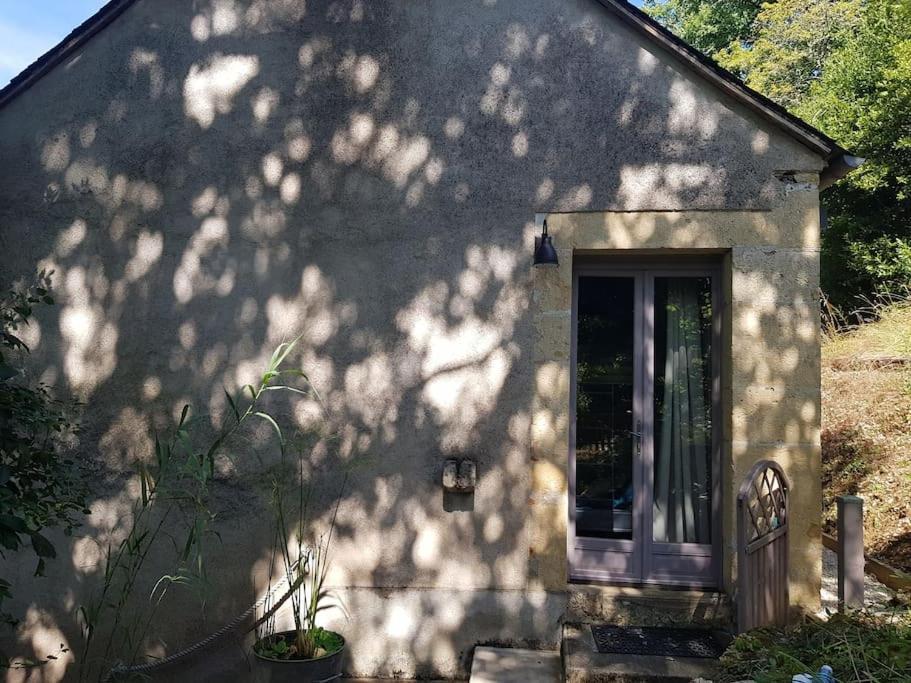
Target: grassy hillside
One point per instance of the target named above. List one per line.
(866, 439)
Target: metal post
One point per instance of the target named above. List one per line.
(850, 552)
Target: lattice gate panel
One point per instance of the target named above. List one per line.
(762, 547)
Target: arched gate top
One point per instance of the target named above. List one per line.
(763, 500)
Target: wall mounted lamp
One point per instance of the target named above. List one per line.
(545, 253)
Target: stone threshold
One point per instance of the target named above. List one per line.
(647, 606)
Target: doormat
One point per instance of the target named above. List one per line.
(660, 641)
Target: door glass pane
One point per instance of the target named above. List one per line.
(682, 496)
(604, 407)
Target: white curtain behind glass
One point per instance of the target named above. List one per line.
(682, 500)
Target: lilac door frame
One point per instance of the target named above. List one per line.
(641, 560)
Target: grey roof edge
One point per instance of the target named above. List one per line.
(839, 161)
(78, 37)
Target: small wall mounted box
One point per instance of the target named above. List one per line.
(450, 475)
(468, 475)
(459, 477)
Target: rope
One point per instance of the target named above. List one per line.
(227, 629)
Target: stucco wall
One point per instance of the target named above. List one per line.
(208, 179)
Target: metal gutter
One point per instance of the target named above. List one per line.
(838, 167)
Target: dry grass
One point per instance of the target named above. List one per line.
(866, 437)
(889, 334)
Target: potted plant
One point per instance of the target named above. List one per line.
(179, 480)
(308, 652)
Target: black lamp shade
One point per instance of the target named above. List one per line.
(545, 253)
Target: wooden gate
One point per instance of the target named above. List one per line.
(762, 547)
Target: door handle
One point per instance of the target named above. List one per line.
(637, 435)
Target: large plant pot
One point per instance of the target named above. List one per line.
(326, 668)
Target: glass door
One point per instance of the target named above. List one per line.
(605, 475)
(643, 454)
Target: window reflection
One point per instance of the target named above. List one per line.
(604, 407)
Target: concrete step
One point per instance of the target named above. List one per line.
(582, 663)
(512, 665)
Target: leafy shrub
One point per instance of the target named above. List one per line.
(860, 262)
(40, 488)
(858, 646)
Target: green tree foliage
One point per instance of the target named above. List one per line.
(790, 41)
(845, 67)
(863, 99)
(709, 25)
(40, 488)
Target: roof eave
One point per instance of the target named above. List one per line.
(63, 50)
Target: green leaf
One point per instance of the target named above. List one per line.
(7, 371)
(159, 452)
(296, 372)
(233, 405)
(14, 342)
(279, 355)
(13, 523)
(191, 536)
(210, 454)
(9, 540)
(42, 546)
(268, 418)
(285, 387)
(144, 482)
(184, 439)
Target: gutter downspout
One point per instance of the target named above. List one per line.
(839, 166)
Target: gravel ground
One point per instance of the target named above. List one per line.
(876, 595)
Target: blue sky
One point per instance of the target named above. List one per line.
(29, 28)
